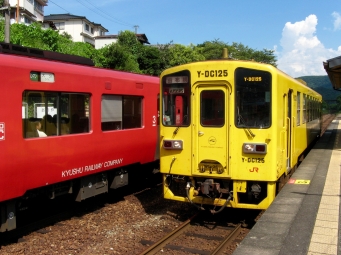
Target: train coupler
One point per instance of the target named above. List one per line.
(206, 188)
(225, 204)
(188, 186)
(211, 189)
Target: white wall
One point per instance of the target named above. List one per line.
(101, 42)
(74, 28)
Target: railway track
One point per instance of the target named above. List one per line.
(194, 236)
(326, 120)
(46, 227)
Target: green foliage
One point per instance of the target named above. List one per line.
(165, 55)
(2, 30)
(322, 85)
(128, 53)
(34, 36)
(150, 61)
(331, 98)
(180, 54)
(77, 48)
(115, 56)
(317, 81)
(66, 36)
(128, 40)
(337, 106)
(122, 55)
(214, 49)
(1, 5)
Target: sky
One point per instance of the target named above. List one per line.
(302, 33)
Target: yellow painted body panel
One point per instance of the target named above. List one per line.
(286, 138)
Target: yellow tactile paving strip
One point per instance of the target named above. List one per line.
(325, 235)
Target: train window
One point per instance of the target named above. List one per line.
(311, 109)
(298, 108)
(54, 113)
(176, 94)
(121, 112)
(304, 108)
(253, 98)
(212, 108)
(132, 117)
(308, 109)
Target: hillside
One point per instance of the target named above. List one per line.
(322, 85)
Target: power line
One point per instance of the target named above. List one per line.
(109, 15)
(93, 9)
(98, 12)
(59, 6)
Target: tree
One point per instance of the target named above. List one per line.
(129, 40)
(241, 52)
(122, 55)
(116, 56)
(213, 50)
(77, 48)
(338, 104)
(128, 53)
(2, 30)
(180, 54)
(150, 61)
(34, 36)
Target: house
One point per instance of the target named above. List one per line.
(101, 41)
(27, 11)
(79, 27)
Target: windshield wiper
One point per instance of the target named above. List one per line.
(241, 119)
(176, 130)
(178, 127)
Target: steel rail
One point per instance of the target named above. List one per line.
(156, 247)
(222, 246)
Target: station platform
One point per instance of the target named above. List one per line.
(304, 217)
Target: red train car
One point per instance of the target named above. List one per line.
(67, 127)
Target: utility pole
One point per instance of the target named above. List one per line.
(18, 12)
(7, 21)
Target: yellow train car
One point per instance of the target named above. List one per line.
(232, 131)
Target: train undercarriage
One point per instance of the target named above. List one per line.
(77, 189)
(206, 192)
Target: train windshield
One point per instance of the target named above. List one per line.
(253, 98)
(176, 99)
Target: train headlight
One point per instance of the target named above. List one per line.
(255, 148)
(173, 144)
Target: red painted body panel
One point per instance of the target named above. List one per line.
(32, 163)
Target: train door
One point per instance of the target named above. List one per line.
(289, 129)
(210, 132)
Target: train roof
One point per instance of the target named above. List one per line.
(60, 58)
(7, 48)
(249, 62)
